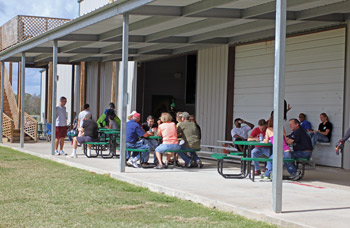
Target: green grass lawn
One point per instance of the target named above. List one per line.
(35, 192)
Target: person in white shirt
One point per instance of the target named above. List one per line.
(82, 115)
(240, 132)
(61, 125)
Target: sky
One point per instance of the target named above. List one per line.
(47, 8)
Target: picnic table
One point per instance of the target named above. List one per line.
(111, 138)
(245, 167)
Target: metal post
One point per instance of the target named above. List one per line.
(280, 44)
(23, 97)
(2, 98)
(54, 96)
(124, 94)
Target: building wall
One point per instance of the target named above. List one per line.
(314, 83)
(87, 6)
(211, 93)
(64, 86)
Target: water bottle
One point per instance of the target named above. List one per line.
(261, 138)
(150, 129)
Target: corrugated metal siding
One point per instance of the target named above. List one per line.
(91, 87)
(211, 93)
(87, 6)
(314, 83)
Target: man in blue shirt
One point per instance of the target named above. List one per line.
(133, 133)
(304, 123)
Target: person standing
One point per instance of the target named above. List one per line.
(61, 126)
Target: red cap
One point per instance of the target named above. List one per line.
(137, 115)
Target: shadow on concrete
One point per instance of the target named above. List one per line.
(319, 209)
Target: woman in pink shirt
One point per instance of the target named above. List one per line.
(269, 138)
(167, 130)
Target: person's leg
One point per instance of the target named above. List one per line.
(56, 144)
(184, 156)
(61, 143)
(159, 157)
(75, 146)
(257, 152)
(318, 137)
(269, 167)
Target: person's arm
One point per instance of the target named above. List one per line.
(238, 137)
(249, 124)
(253, 136)
(267, 136)
(346, 136)
(100, 120)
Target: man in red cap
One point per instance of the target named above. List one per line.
(133, 134)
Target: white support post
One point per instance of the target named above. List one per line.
(54, 96)
(280, 47)
(23, 82)
(2, 98)
(125, 54)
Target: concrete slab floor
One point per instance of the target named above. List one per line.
(321, 199)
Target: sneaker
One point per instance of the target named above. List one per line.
(129, 162)
(200, 164)
(62, 152)
(264, 177)
(295, 176)
(57, 153)
(257, 172)
(74, 156)
(160, 166)
(134, 163)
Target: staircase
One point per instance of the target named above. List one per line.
(11, 124)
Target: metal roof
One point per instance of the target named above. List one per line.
(161, 28)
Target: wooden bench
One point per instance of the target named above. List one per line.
(298, 161)
(184, 151)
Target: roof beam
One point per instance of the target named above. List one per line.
(79, 37)
(101, 14)
(74, 46)
(323, 10)
(300, 27)
(154, 48)
(270, 7)
(203, 5)
(77, 58)
(234, 30)
(186, 28)
(42, 57)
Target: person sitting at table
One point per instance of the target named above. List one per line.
(112, 123)
(269, 138)
(304, 123)
(302, 147)
(167, 130)
(133, 133)
(103, 120)
(151, 127)
(258, 151)
(89, 129)
(240, 133)
(189, 132)
(324, 132)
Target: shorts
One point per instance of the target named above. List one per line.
(84, 139)
(164, 147)
(61, 132)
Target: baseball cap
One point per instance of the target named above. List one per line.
(185, 115)
(137, 115)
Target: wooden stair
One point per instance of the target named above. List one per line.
(11, 123)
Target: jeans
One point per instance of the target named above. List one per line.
(186, 158)
(258, 152)
(138, 145)
(286, 154)
(318, 137)
(164, 147)
(290, 166)
(152, 143)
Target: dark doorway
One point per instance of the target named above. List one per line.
(160, 103)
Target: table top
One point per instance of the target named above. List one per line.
(111, 132)
(223, 141)
(251, 143)
(107, 129)
(220, 147)
(154, 137)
